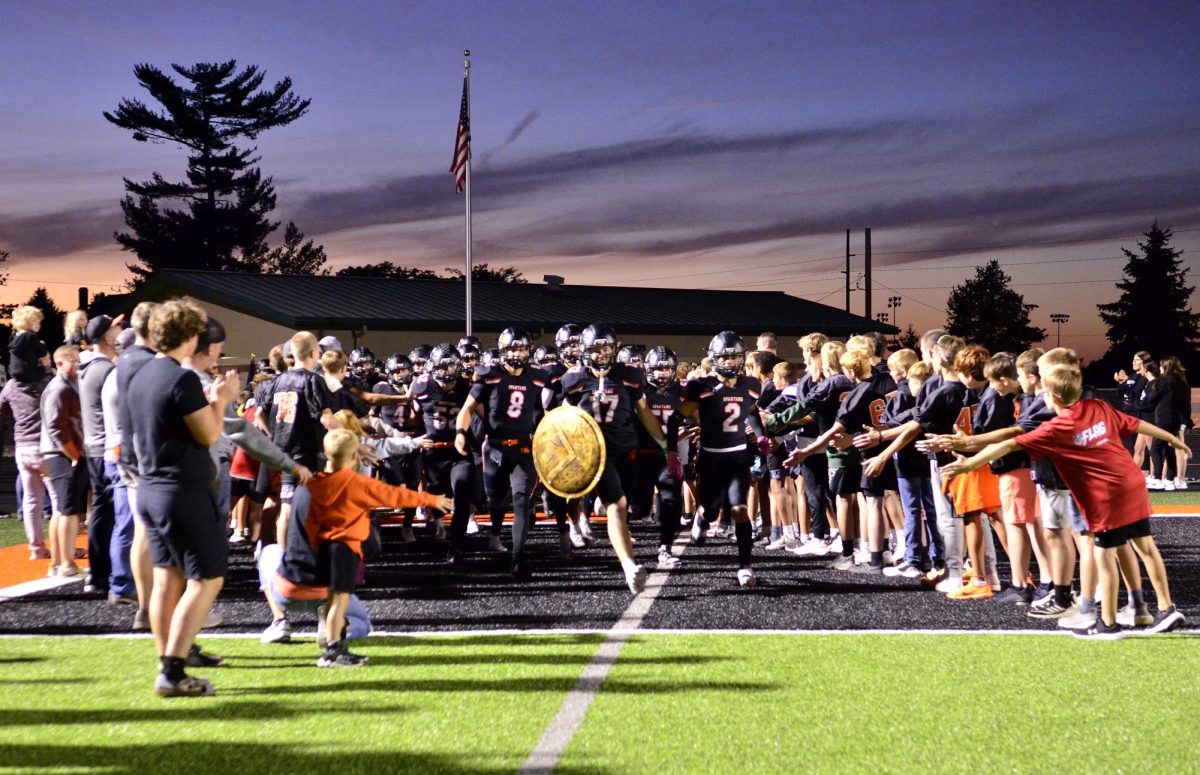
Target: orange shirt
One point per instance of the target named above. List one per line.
(341, 505)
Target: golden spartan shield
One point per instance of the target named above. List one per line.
(568, 451)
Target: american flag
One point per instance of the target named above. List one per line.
(462, 145)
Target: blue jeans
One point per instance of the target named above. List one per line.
(920, 513)
(120, 583)
(358, 622)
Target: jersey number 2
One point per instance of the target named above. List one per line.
(731, 422)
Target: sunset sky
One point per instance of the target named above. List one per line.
(700, 144)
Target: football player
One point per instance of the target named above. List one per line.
(567, 514)
(659, 471)
(724, 405)
(613, 393)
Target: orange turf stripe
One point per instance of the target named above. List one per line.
(1175, 508)
(17, 568)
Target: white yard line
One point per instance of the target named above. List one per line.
(37, 585)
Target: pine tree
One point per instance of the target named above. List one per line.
(985, 310)
(909, 339)
(294, 256)
(1153, 311)
(502, 274)
(52, 318)
(217, 219)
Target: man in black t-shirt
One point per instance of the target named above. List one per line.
(508, 396)
(613, 393)
(173, 427)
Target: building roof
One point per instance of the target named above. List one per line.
(306, 302)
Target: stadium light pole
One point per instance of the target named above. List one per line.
(1058, 318)
(894, 305)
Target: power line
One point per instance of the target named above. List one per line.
(977, 248)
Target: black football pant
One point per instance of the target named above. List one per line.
(448, 473)
(404, 471)
(558, 507)
(652, 473)
(100, 524)
(724, 484)
(505, 470)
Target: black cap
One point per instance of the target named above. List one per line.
(96, 328)
(214, 333)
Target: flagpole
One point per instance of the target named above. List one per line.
(467, 90)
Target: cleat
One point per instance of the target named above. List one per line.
(278, 632)
(636, 580)
(746, 578)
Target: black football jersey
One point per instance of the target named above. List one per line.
(387, 412)
(554, 374)
(662, 405)
(862, 409)
(724, 410)
(611, 399)
(298, 399)
(439, 408)
(511, 403)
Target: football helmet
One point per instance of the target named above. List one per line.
(600, 344)
(545, 354)
(398, 369)
(728, 353)
(566, 339)
(444, 364)
(660, 367)
(418, 356)
(514, 345)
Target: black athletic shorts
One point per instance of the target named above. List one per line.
(185, 531)
(724, 481)
(337, 567)
(879, 484)
(243, 488)
(1111, 539)
(845, 480)
(618, 477)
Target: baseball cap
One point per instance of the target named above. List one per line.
(330, 343)
(97, 327)
(126, 339)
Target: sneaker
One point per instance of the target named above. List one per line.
(1170, 619)
(212, 620)
(1101, 631)
(52, 571)
(833, 546)
(407, 536)
(636, 580)
(972, 591)
(1131, 617)
(1180, 484)
(122, 599)
(141, 620)
(39, 553)
(1168, 485)
(566, 547)
(842, 563)
(1154, 484)
(948, 586)
(913, 572)
(1078, 621)
(496, 545)
(1043, 591)
(278, 632)
(237, 538)
(699, 535)
(585, 530)
(322, 610)
(666, 560)
(576, 537)
(931, 578)
(720, 531)
(88, 585)
(867, 569)
(762, 542)
(1047, 608)
(68, 571)
(862, 556)
(188, 686)
(340, 656)
(813, 547)
(472, 525)
(1015, 595)
(746, 578)
(776, 545)
(521, 570)
(897, 570)
(198, 657)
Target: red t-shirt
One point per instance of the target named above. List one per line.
(1084, 444)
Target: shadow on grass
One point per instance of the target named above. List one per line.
(536, 659)
(202, 709)
(223, 757)
(20, 660)
(523, 685)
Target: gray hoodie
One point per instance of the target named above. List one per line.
(62, 424)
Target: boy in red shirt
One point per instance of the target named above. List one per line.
(338, 523)
(1084, 441)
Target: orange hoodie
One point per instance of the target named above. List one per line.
(341, 505)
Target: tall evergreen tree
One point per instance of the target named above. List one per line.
(216, 219)
(1153, 311)
(294, 256)
(986, 310)
(52, 318)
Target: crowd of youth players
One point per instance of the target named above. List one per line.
(851, 452)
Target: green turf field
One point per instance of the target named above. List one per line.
(12, 531)
(686, 703)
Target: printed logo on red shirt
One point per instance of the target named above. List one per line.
(1085, 437)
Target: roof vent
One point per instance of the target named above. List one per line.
(553, 282)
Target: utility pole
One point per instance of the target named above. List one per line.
(867, 272)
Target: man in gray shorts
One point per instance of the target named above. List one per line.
(64, 471)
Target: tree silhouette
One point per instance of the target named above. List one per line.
(52, 318)
(388, 269)
(986, 310)
(501, 274)
(1152, 312)
(216, 219)
(909, 338)
(294, 256)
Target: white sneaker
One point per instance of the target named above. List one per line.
(666, 560)
(575, 537)
(1078, 621)
(1154, 484)
(277, 632)
(1180, 483)
(834, 546)
(566, 551)
(862, 556)
(496, 545)
(406, 535)
(948, 585)
(1128, 617)
(1168, 485)
(776, 545)
(237, 538)
(585, 530)
(746, 578)
(887, 557)
(636, 579)
(472, 526)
